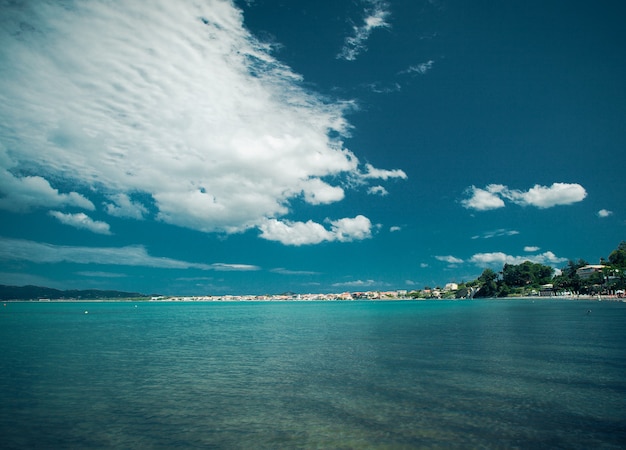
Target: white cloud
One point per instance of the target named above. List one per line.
(496, 233)
(530, 248)
(372, 172)
(604, 213)
(22, 194)
(395, 228)
(303, 233)
(482, 200)
(378, 190)
(449, 259)
(539, 196)
(376, 16)
(176, 102)
(356, 283)
(134, 255)
(123, 206)
(547, 197)
(419, 69)
(500, 258)
(82, 221)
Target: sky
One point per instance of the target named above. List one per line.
(215, 147)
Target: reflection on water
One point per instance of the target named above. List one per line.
(313, 375)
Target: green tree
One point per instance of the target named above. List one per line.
(617, 258)
(488, 284)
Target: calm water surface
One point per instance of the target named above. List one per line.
(444, 374)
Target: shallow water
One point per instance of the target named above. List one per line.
(441, 374)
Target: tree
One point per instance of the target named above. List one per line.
(488, 285)
(617, 258)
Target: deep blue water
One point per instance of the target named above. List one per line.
(441, 374)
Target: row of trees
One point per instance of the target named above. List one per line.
(522, 279)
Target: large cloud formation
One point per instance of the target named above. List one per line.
(171, 101)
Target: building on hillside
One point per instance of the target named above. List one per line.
(586, 272)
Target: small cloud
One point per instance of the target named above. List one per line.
(82, 221)
(374, 173)
(282, 271)
(222, 267)
(380, 88)
(419, 69)
(376, 17)
(496, 233)
(530, 249)
(604, 213)
(377, 190)
(482, 200)
(101, 274)
(410, 282)
(123, 206)
(449, 259)
(423, 265)
(395, 228)
(356, 283)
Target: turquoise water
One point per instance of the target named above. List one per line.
(444, 374)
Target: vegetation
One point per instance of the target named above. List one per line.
(37, 292)
(528, 278)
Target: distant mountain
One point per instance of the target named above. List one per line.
(38, 292)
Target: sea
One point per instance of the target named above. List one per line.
(469, 374)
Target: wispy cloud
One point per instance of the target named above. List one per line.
(306, 233)
(377, 190)
(357, 283)
(493, 196)
(283, 271)
(176, 103)
(531, 248)
(604, 213)
(82, 221)
(135, 255)
(496, 233)
(418, 69)
(376, 16)
(449, 259)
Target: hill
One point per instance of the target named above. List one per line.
(38, 292)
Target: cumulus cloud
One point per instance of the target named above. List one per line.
(176, 103)
(395, 228)
(123, 206)
(304, 233)
(82, 221)
(500, 258)
(134, 255)
(604, 213)
(531, 248)
(482, 200)
(539, 196)
(376, 16)
(24, 193)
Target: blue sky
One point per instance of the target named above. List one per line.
(266, 146)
